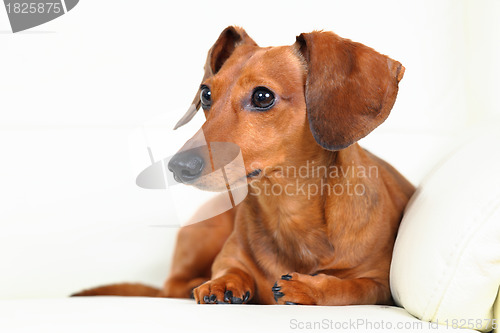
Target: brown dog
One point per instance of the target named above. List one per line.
(324, 236)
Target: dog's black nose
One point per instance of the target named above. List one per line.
(186, 166)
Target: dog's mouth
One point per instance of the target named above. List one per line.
(254, 173)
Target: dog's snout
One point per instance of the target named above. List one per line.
(186, 166)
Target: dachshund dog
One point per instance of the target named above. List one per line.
(323, 235)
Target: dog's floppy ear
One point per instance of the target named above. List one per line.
(228, 41)
(350, 88)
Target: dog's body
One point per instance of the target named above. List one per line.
(325, 237)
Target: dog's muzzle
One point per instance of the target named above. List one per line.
(186, 166)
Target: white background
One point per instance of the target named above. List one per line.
(73, 92)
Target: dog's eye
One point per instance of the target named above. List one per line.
(263, 98)
(205, 97)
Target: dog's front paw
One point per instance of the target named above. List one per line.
(228, 289)
(295, 288)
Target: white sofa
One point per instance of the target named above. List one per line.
(108, 314)
(71, 216)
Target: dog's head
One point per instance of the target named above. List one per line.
(279, 103)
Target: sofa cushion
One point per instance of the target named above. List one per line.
(446, 263)
(496, 314)
(138, 314)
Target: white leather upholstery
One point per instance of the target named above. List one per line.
(446, 263)
(496, 312)
(123, 315)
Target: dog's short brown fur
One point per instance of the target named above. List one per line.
(326, 248)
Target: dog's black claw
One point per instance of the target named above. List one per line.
(275, 288)
(191, 295)
(229, 298)
(228, 295)
(206, 299)
(236, 300)
(286, 277)
(213, 298)
(278, 294)
(290, 303)
(247, 296)
(198, 302)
